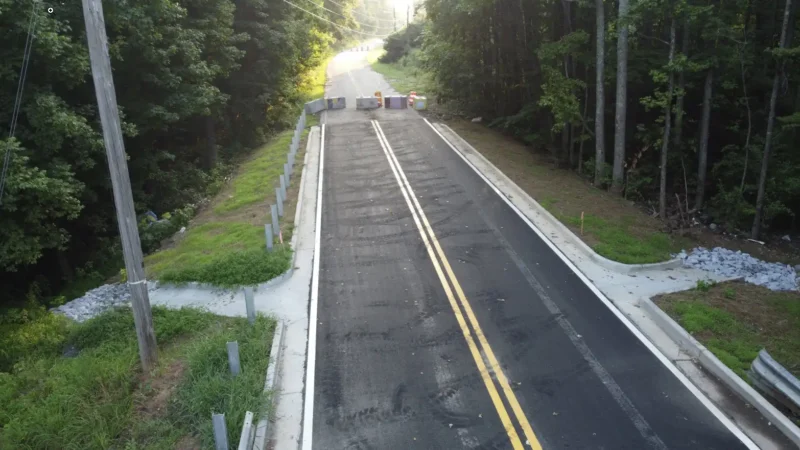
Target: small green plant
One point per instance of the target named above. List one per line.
(123, 274)
(729, 293)
(705, 285)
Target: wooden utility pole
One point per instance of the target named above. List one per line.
(408, 15)
(120, 181)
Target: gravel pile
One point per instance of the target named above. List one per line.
(95, 302)
(721, 261)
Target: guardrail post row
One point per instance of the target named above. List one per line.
(273, 209)
(233, 357)
(268, 234)
(220, 432)
(249, 303)
(279, 201)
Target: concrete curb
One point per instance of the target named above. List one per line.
(155, 284)
(276, 355)
(708, 361)
(519, 193)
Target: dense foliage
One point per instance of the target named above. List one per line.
(699, 81)
(198, 82)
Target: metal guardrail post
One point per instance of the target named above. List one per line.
(273, 209)
(268, 234)
(279, 201)
(220, 432)
(249, 303)
(233, 358)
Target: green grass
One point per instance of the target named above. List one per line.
(735, 321)
(251, 184)
(405, 75)
(615, 240)
(230, 249)
(226, 246)
(96, 399)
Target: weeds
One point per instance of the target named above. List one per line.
(94, 400)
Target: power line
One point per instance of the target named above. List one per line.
(342, 6)
(23, 74)
(342, 15)
(334, 23)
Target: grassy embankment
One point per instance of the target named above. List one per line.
(224, 244)
(79, 386)
(736, 320)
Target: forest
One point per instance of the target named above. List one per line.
(199, 84)
(690, 107)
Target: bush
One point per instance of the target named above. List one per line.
(151, 233)
(34, 334)
(237, 269)
(400, 43)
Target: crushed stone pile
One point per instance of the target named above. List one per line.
(95, 302)
(721, 261)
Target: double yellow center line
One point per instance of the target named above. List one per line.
(482, 353)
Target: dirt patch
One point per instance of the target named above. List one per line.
(188, 443)
(155, 393)
(562, 192)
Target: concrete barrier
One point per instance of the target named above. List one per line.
(396, 102)
(367, 102)
(335, 103)
(315, 106)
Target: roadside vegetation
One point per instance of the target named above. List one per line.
(199, 91)
(727, 320)
(691, 149)
(225, 244)
(79, 386)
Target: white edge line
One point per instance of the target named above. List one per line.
(311, 360)
(664, 360)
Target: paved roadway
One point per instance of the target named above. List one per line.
(445, 322)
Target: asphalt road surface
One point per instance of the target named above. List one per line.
(445, 322)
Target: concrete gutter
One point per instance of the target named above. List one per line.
(542, 213)
(711, 363)
(263, 427)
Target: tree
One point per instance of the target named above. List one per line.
(618, 173)
(600, 96)
(702, 151)
(662, 197)
(773, 100)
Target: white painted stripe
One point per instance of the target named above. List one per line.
(311, 357)
(735, 430)
(608, 381)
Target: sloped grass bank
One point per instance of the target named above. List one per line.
(96, 397)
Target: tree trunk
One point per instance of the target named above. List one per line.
(662, 197)
(622, 100)
(773, 100)
(211, 143)
(678, 134)
(702, 151)
(600, 97)
(66, 268)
